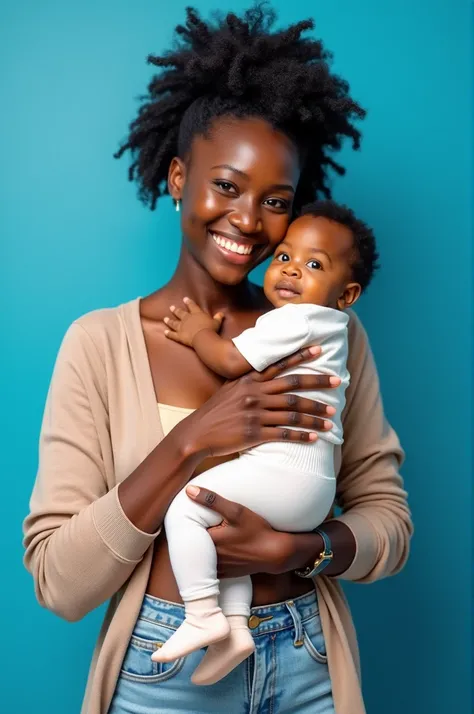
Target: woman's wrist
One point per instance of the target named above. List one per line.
(146, 494)
(188, 443)
(301, 550)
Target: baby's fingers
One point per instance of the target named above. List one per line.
(191, 305)
(172, 324)
(179, 312)
(173, 336)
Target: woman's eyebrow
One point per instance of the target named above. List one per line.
(282, 187)
(232, 168)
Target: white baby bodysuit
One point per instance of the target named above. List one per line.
(291, 485)
(285, 330)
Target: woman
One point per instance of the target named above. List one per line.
(237, 127)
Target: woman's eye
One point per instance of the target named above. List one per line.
(278, 203)
(283, 257)
(226, 186)
(314, 265)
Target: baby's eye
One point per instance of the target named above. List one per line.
(314, 265)
(283, 257)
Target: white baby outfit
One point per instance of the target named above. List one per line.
(291, 485)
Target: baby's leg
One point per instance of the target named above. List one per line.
(222, 657)
(194, 562)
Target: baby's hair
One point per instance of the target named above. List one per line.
(240, 67)
(365, 263)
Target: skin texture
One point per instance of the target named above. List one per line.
(251, 202)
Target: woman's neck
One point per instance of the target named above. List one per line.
(192, 280)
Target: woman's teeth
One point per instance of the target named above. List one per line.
(231, 245)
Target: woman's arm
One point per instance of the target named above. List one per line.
(370, 489)
(371, 537)
(82, 539)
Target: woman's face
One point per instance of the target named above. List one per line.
(236, 190)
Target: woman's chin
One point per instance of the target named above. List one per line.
(227, 273)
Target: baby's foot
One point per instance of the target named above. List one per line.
(205, 624)
(222, 657)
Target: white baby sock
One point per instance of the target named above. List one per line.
(205, 623)
(222, 657)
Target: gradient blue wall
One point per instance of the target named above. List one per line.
(74, 237)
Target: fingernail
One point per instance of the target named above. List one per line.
(330, 410)
(167, 332)
(327, 424)
(185, 299)
(313, 436)
(192, 491)
(335, 381)
(172, 307)
(314, 350)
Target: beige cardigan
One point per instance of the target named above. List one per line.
(101, 420)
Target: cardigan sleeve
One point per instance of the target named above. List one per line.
(80, 546)
(370, 489)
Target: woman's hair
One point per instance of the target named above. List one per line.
(240, 67)
(365, 264)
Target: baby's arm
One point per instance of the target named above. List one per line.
(193, 327)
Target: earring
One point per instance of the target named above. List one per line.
(177, 202)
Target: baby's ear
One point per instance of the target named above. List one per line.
(349, 297)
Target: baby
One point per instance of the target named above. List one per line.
(326, 260)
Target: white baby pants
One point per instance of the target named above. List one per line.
(292, 486)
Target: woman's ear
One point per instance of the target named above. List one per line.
(349, 297)
(176, 178)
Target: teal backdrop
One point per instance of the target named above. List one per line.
(74, 237)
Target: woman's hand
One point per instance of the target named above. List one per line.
(245, 542)
(256, 409)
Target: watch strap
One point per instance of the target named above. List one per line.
(323, 559)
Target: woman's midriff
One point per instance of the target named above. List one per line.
(267, 589)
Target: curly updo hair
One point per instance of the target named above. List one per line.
(240, 67)
(366, 259)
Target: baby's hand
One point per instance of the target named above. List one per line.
(189, 321)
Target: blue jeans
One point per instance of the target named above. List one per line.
(288, 674)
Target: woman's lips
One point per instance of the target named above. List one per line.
(235, 251)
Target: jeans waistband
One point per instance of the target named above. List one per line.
(264, 619)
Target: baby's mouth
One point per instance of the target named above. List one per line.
(287, 289)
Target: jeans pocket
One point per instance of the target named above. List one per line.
(137, 664)
(314, 639)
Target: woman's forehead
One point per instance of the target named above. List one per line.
(250, 146)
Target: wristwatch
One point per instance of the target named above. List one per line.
(321, 561)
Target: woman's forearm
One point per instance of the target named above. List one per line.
(304, 548)
(146, 494)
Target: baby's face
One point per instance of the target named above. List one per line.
(312, 264)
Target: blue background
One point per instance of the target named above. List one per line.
(74, 237)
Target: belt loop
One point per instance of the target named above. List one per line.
(295, 616)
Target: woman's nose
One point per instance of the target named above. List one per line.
(246, 218)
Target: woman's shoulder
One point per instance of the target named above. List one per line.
(356, 330)
(93, 341)
(106, 325)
